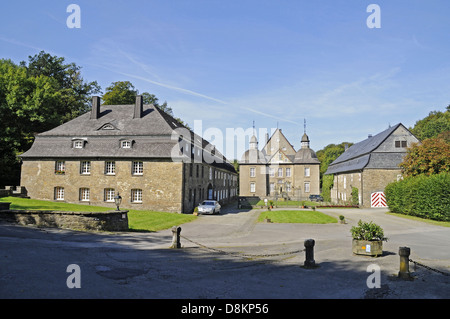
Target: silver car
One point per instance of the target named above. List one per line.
(209, 207)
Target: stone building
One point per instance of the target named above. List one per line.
(137, 151)
(278, 171)
(369, 166)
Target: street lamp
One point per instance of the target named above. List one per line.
(118, 200)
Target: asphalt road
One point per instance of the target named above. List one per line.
(225, 256)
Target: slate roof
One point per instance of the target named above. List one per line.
(358, 155)
(151, 135)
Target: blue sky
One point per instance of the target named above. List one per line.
(230, 63)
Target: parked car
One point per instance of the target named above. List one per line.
(209, 207)
(315, 198)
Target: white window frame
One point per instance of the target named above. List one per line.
(85, 194)
(288, 172)
(59, 193)
(252, 187)
(125, 144)
(109, 194)
(138, 168)
(252, 172)
(78, 144)
(60, 166)
(280, 172)
(271, 172)
(110, 167)
(85, 167)
(136, 195)
(307, 172)
(307, 187)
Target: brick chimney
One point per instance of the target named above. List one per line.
(95, 112)
(138, 107)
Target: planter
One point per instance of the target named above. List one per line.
(367, 247)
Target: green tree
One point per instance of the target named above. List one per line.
(431, 126)
(35, 98)
(124, 92)
(430, 157)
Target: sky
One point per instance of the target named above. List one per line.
(234, 64)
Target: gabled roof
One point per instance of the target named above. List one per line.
(152, 133)
(357, 156)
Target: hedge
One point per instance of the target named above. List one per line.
(422, 196)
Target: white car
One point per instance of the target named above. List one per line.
(209, 207)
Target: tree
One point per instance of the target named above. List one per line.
(124, 92)
(430, 157)
(35, 98)
(120, 92)
(431, 126)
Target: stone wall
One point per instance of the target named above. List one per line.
(376, 180)
(100, 221)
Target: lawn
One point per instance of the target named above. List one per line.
(138, 220)
(297, 216)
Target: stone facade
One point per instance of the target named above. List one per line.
(136, 151)
(370, 165)
(278, 171)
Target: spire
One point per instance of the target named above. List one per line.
(305, 138)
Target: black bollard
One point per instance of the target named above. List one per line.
(309, 255)
(176, 237)
(404, 253)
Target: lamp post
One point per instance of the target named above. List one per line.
(117, 201)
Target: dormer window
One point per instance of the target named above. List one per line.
(78, 143)
(125, 144)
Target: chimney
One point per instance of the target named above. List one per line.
(370, 135)
(95, 112)
(138, 107)
(346, 147)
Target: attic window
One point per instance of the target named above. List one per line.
(125, 144)
(399, 144)
(78, 143)
(108, 127)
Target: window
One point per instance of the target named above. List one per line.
(110, 168)
(84, 194)
(307, 172)
(307, 187)
(280, 172)
(60, 167)
(288, 172)
(138, 168)
(271, 172)
(85, 167)
(399, 144)
(59, 193)
(210, 173)
(109, 194)
(288, 187)
(136, 195)
(126, 144)
(252, 172)
(252, 187)
(272, 187)
(78, 144)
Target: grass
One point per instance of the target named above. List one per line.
(297, 216)
(138, 220)
(429, 221)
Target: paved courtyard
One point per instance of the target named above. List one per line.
(225, 256)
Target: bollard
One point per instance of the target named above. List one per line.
(404, 253)
(309, 255)
(176, 237)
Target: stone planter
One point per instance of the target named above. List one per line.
(368, 248)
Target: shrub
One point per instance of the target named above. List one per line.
(422, 196)
(367, 231)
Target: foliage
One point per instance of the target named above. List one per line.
(124, 92)
(431, 126)
(430, 157)
(355, 196)
(422, 196)
(35, 98)
(327, 185)
(367, 231)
